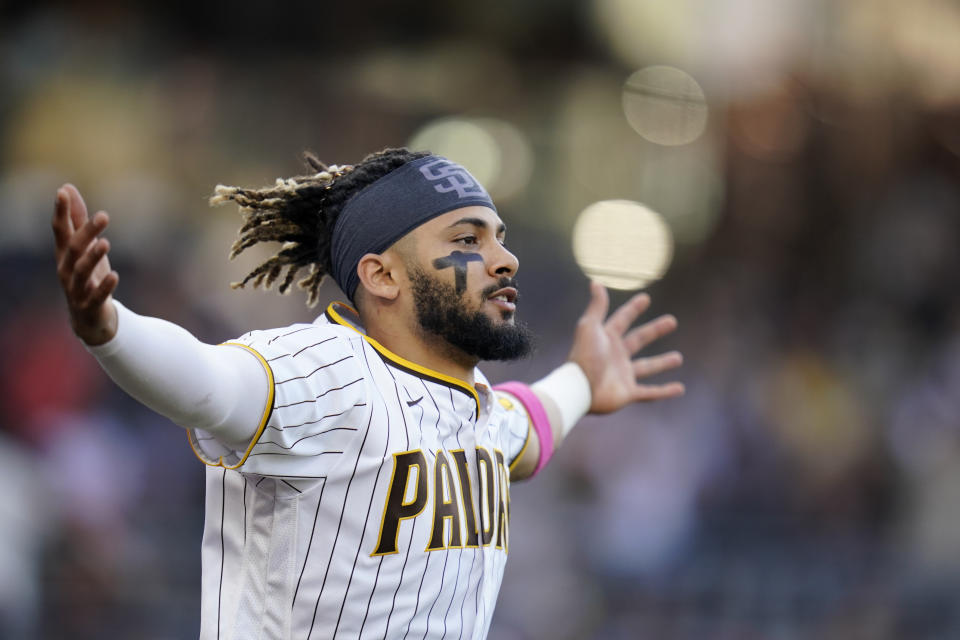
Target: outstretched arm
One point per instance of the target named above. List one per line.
(602, 374)
(220, 390)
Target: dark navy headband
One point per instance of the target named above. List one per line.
(396, 204)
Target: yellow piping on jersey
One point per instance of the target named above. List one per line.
(403, 362)
(267, 411)
(526, 443)
(507, 404)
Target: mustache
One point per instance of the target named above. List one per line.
(502, 283)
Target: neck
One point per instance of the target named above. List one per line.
(424, 349)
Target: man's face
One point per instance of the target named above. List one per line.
(462, 282)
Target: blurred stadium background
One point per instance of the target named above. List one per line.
(805, 153)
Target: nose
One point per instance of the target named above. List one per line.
(503, 263)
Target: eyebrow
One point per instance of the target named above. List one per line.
(479, 222)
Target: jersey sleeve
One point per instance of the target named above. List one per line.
(315, 408)
(516, 427)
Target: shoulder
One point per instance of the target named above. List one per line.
(301, 339)
(314, 354)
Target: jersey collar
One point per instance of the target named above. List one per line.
(345, 315)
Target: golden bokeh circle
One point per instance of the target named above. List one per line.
(622, 244)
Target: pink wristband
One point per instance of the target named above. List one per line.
(538, 418)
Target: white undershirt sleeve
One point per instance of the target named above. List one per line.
(220, 389)
(568, 388)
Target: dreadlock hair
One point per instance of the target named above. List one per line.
(301, 212)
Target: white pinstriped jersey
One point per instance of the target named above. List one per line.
(373, 501)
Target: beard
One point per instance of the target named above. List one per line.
(441, 312)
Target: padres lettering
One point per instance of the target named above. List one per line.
(457, 521)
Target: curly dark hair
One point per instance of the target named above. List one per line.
(301, 212)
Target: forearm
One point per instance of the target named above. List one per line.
(553, 405)
(565, 395)
(219, 389)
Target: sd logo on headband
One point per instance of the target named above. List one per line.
(453, 177)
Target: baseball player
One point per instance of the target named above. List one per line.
(359, 466)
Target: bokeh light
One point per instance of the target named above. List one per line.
(735, 47)
(640, 31)
(603, 158)
(924, 33)
(622, 244)
(665, 105)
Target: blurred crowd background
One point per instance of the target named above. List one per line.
(805, 153)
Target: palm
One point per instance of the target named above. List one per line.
(605, 349)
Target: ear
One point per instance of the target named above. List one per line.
(377, 276)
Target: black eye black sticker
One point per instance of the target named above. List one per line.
(459, 261)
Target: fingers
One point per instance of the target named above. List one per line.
(69, 215)
(650, 392)
(90, 316)
(79, 243)
(61, 222)
(649, 332)
(645, 367)
(599, 303)
(80, 280)
(621, 319)
(78, 209)
(103, 290)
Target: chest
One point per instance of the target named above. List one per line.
(442, 463)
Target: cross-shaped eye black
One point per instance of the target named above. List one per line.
(458, 260)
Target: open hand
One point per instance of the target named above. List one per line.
(605, 349)
(83, 267)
